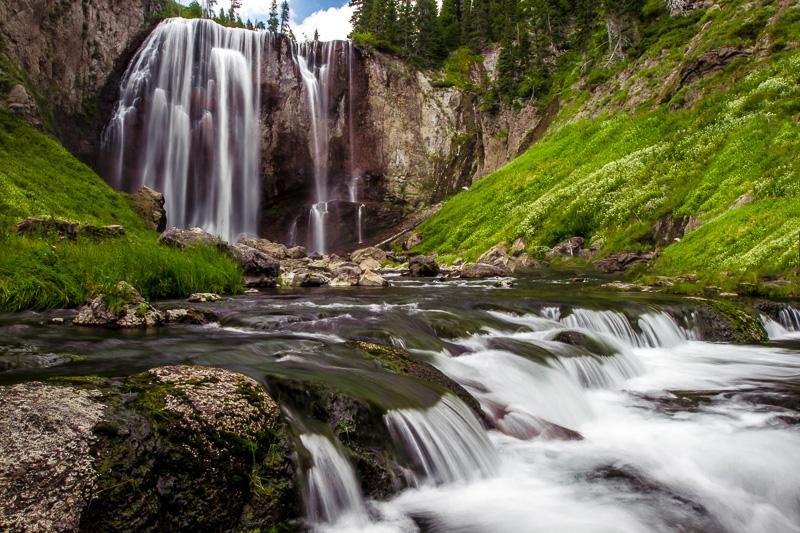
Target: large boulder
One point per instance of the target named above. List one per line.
(345, 275)
(121, 306)
(372, 279)
(484, 270)
(306, 277)
(150, 206)
(296, 252)
(182, 238)
(47, 471)
(260, 269)
(568, 248)
(423, 266)
(274, 249)
(178, 448)
(370, 252)
(622, 261)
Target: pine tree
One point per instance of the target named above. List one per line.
(316, 35)
(236, 5)
(272, 21)
(428, 43)
(285, 29)
(405, 28)
(450, 24)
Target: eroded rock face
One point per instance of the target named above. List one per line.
(622, 261)
(73, 53)
(47, 474)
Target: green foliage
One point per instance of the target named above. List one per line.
(39, 177)
(456, 70)
(609, 178)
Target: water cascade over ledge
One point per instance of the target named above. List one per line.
(187, 124)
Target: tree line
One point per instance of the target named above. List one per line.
(277, 22)
(531, 34)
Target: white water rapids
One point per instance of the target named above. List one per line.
(600, 443)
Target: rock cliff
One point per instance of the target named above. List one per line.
(60, 62)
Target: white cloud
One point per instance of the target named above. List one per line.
(333, 23)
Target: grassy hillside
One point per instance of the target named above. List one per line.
(39, 177)
(617, 158)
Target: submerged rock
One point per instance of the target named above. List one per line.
(122, 307)
(203, 297)
(423, 266)
(189, 315)
(260, 269)
(483, 270)
(150, 206)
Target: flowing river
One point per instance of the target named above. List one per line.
(641, 426)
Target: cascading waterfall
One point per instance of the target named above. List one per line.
(657, 329)
(788, 324)
(187, 124)
(314, 60)
(790, 318)
(333, 491)
(446, 442)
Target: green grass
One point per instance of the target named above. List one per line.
(610, 175)
(39, 177)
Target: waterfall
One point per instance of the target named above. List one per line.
(361, 209)
(332, 490)
(657, 329)
(186, 124)
(787, 326)
(790, 318)
(315, 62)
(446, 442)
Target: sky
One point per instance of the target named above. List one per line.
(330, 17)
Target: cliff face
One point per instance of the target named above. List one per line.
(396, 143)
(408, 144)
(64, 59)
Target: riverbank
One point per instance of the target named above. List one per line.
(38, 177)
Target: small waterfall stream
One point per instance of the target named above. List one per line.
(332, 490)
(446, 442)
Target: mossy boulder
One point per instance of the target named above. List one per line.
(178, 448)
(727, 321)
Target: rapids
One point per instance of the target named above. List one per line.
(604, 414)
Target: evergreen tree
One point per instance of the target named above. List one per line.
(285, 29)
(316, 35)
(428, 45)
(405, 28)
(272, 21)
(450, 24)
(236, 5)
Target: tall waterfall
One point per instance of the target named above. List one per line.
(187, 124)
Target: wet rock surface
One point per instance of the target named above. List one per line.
(483, 270)
(423, 266)
(260, 269)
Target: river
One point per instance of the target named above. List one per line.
(641, 426)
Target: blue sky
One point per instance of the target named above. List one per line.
(330, 17)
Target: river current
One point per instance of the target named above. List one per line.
(642, 426)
